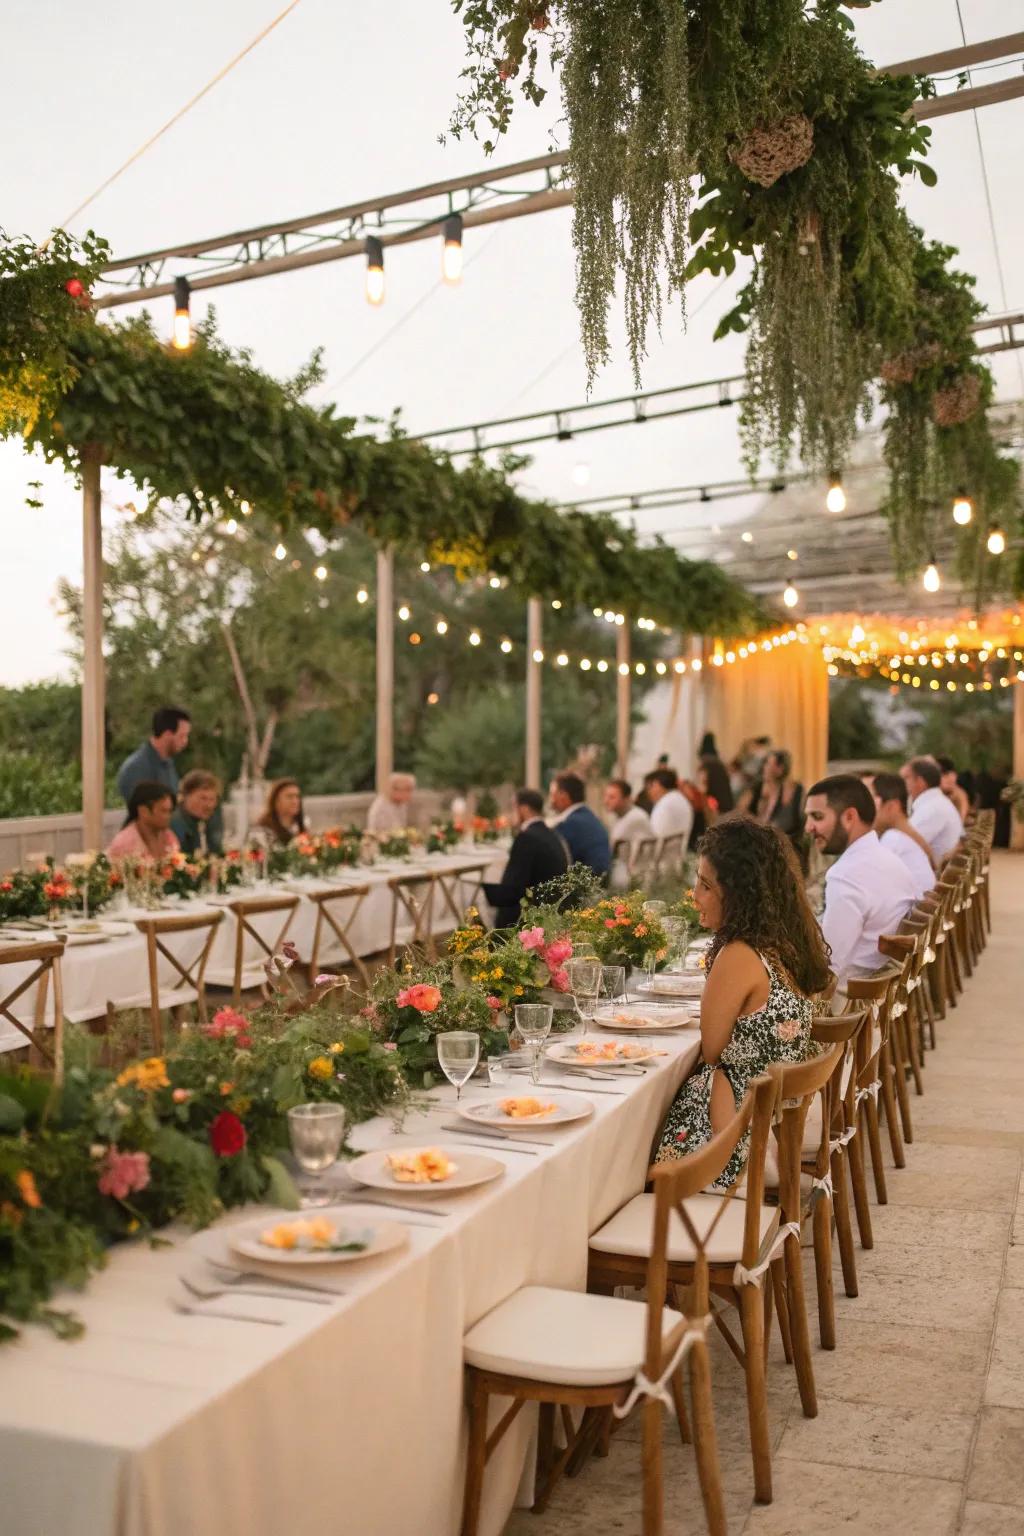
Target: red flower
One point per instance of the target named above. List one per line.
(6, 885)
(227, 1134)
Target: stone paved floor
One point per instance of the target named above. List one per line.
(920, 1430)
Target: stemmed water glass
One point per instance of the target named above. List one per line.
(584, 983)
(315, 1132)
(677, 930)
(458, 1051)
(613, 983)
(533, 1021)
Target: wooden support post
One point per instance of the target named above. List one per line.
(385, 667)
(534, 642)
(93, 683)
(623, 699)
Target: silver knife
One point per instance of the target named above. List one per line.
(495, 1135)
(578, 1087)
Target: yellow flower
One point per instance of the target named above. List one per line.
(133, 1225)
(519, 991)
(148, 1075)
(241, 1105)
(321, 1066)
(337, 1048)
(497, 973)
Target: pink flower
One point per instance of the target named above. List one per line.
(370, 1012)
(532, 938)
(422, 996)
(229, 1025)
(123, 1173)
(560, 981)
(389, 1045)
(788, 1030)
(610, 922)
(181, 1095)
(495, 1002)
(557, 953)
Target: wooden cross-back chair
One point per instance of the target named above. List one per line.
(907, 950)
(937, 906)
(740, 1241)
(567, 1350)
(191, 984)
(876, 1079)
(247, 975)
(44, 959)
(412, 897)
(643, 860)
(337, 910)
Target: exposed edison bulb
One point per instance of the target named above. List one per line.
(362, 596)
(506, 646)
(697, 664)
(538, 655)
(963, 509)
(602, 665)
(857, 634)
(403, 613)
(931, 580)
(791, 596)
(441, 626)
(679, 666)
(835, 501)
(474, 637)
(495, 582)
(562, 659)
(280, 552)
(451, 250)
(321, 573)
(181, 333)
(424, 566)
(660, 668)
(374, 271)
(585, 664)
(623, 668)
(996, 541)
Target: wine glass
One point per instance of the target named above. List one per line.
(677, 931)
(613, 983)
(315, 1132)
(584, 981)
(533, 1021)
(458, 1051)
(655, 908)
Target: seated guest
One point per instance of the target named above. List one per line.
(146, 833)
(868, 890)
(775, 797)
(537, 854)
(896, 833)
(390, 812)
(715, 783)
(631, 824)
(950, 785)
(584, 833)
(153, 761)
(282, 816)
(671, 812)
(931, 814)
(765, 963)
(198, 822)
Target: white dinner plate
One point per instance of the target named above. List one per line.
(378, 1236)
(639, 1023)
(472, 1168)
(566, 1054)
(568, 1107)
(674, 984)
(80, 940)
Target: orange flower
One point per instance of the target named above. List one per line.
(27, 1189)
(226, 1088)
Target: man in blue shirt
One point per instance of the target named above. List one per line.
(585, 833)
(153, 761)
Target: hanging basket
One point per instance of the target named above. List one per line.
(770, 152)
(902, 368)
(957, 404)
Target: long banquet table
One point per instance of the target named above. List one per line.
(349, 1418)
(115, 969)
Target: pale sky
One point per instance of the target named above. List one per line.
(345, 100)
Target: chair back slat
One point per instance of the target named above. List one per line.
(44, 958)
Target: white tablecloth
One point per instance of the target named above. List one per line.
(347, 1420)
(116, 971)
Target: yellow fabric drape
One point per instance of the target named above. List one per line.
(781, 693)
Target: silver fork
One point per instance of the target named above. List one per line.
(228, 1277)
(291, 1293)
(233, 1317)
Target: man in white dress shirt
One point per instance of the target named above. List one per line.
(896, 833)
(631, 824)
(867, 890)
(931, 813)
(671, 812)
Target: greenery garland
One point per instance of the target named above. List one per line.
(207, 429)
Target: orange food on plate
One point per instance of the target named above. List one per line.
(526, 1109)
(314, 1233)
(431, 1166)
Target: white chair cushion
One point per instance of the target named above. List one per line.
(812, 1141)
(566, 1337)
(629, 1231)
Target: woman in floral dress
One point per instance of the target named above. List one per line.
(765, 964)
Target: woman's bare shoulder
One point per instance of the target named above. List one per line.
(737, 956)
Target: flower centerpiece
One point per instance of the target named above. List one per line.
(488, 829)
(397, 844)
(411, 1008)
(620, 931)
(183, 875)
(442, 836)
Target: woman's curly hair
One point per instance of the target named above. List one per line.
(763, 900)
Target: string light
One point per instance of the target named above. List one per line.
(280, 552)
(697, 664)
(495, 582)
(538, 655)
(996, 541)
(660, 668)
(442, 626)
(562, 659)
(835, 501)
(506, 645)
(181, 333)
(424, 566)
(556, 602)
(747, 536)
(451, 250)
(640, 669)
(602, 665)
(963, 509)
(585, 664)
(679, 666)
(791, 596)
(931, 580)
(432, 698)
(623, 668)
(320, 573)
(374, 270)
(791, 554)
(231, 525)
(362, 595)
(404, 613)
(415, 638)
(474, 637)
